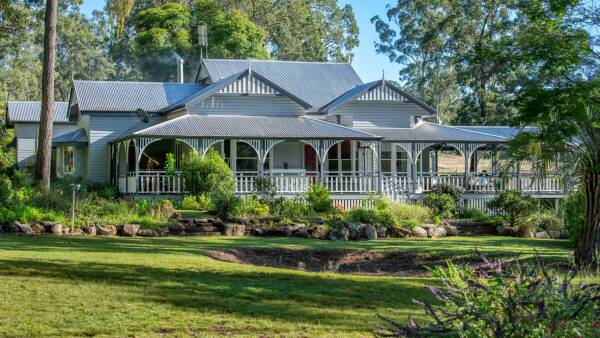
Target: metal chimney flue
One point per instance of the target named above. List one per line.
(180, 70)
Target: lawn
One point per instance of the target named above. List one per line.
(53, 286)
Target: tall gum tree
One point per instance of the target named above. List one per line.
(44, 150)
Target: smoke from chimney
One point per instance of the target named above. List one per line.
(180, 70)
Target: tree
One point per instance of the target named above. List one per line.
(44, 149)
(310, 30)
(462, 56)
(120, 10)
(231, 33)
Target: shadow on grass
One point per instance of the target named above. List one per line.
(451, 246)
(269, 294)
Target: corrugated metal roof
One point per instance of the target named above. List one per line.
(75, 137)
(29, 112)
(129, 96)
(227, 126)
(316, 83)
(429, 132)
(502, 131)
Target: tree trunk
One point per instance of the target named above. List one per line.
(44, 149)
(588, 243)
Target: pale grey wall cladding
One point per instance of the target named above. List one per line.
(104, 128)
(26, 134)
(248, 105)
(381, 114)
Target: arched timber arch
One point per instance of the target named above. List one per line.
(407, 149)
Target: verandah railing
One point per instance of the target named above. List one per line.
(294, 182)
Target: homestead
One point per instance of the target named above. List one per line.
(295, 122)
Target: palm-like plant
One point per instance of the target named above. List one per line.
(566, 139)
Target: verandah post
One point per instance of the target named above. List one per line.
(379, 172)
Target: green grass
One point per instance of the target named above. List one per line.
(60, 286)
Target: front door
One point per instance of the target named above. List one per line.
(310, 158)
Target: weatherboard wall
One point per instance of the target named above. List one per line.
(103, 128)
(381, 113)
(26, 135)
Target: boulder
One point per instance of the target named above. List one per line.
(339, 234)
(505, 230)
(37, 228)
(106, 230)
(542, 234)
(436, 232)
(355, 231)
(418, 232)
(176, 229)
(163, 232)
(24, 228)
(56, 229)
(281, 231)
(555, 234)
(318, 231)
(12, 228)
(79, 231)
(381, 232)
(256, 231)
(218, 224)
(233, 229)
(66, 231)
(302, 233)
(402, 232)
(527, 234)
(147, 233)
(369, 232)
(90, 230)
(128, 230)
(451, 230)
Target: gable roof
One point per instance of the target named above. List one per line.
(121, 96)
(359, 90)
(76, 137)
(215, 87)
(315, 83)
(259, 127)
(430, 132)
(503, 131)
(30, 111)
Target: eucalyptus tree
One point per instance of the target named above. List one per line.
(44, 148)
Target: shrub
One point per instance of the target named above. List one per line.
(545, 220)
(574, 207)
(361, 215)
(441, 205)
(292, 209)
(409, 223)
(225, 205)
(417, 212)
(265, 189)
(513, 206)
(319, 197)
(251, 206)
(447, 188)
(190, 203)
(208, 174)
(471, 213)
(170, 164)
(496, 301)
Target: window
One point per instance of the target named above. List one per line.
(68, 160)
(386, 161)
(339, 157)
(247, 159)
(401, 161)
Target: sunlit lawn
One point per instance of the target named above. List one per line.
(53, 286)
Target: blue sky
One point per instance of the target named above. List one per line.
(367, 63)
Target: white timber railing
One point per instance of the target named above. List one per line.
(292, 182)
